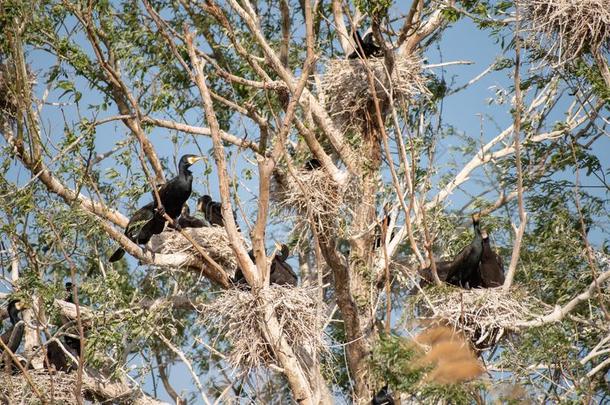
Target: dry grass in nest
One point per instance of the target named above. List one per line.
(238, 315)
(347, 93)
(213, 240)
(58, 386)
(567, 28)
(483, 314)
(312, 195)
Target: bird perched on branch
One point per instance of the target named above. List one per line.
(212, 210)
(466, 263)
(365, 47)
(13, 335)
(149, 220)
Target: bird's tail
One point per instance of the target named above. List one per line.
(117, 255)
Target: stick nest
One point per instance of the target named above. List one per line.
(309, 195)
(239, 315)
(347, 93)
(567, 28)
(58, 386)
(213, 240)
(483, 314)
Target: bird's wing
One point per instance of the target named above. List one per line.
(139, 219)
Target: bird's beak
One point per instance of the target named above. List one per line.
(194, 159)
(278, 245)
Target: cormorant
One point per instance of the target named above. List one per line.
(366, 45)
(13, 335)
(149, 220)
(56, 358)
(491, 268)
(383, 397)
(212, 210)
(72, 343)
(281, 273)
(188, 221)
(466, 263)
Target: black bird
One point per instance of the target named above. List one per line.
(72, 343)
(491, 268)
(13, 335)
(188, 221)
(383, 397)
(56, 358)
(312, 164)
(212, 210)
(281, 273)
(466, 263)
(365, 48)
(149, 220)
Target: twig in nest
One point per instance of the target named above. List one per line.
(567, 28)
(239, 316)
(348, 95)
(482, 314)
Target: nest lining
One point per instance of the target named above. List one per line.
(347, 93)
(483, 314)
(213, 240)
(567, 28)
(58, 386)
(238, 313)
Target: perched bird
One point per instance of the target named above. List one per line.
(56, 358)
(73, 344)
(212, 210)
(383, 397)
(13, 335)
(281, 273)
(460, 270)
(149, 220)
(188, 221)
(365, 48)
(491, 268)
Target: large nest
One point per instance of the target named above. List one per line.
(310, 195)
(347, 93)
(213, 240)
(483, 314)
(239, 314)
(58, 386)
(567, 28)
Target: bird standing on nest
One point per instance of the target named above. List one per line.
(466, 263)
(281, 273)
(365, 48)
(212, 210)
(490, 273)
(149, 220)
(13, 335)
(188, 221)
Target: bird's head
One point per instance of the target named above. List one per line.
(19, 305)
(476, 218)
(188, 160)
(203, 201)
(283, 249)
